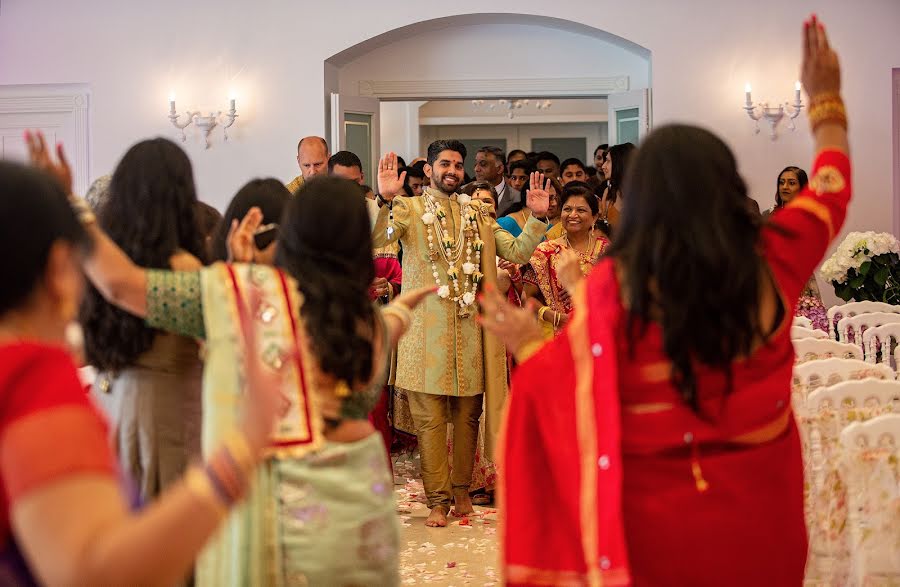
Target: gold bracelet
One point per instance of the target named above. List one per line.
(528, 349)
(541, 312)
(400, 313)
(240, 450)
(198, 483)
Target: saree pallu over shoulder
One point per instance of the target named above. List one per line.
(283, 347)
(246, 550)
(586, 530)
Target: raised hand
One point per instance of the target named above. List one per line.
(538, 195)
(513, 325)
(820, 72)
(389, 183)
(240, 243)
(41, 158)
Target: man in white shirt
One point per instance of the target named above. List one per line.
(490, 166)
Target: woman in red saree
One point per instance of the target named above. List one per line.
(660, 420)
(64, 518)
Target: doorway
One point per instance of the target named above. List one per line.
(421, 81)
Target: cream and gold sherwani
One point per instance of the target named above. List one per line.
(443, 353)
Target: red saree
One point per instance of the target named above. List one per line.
(610, 479)
(48, 430)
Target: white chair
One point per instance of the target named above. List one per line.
(803, 322)
(870, 452)
(857, 325)
(879, 339)
(854, 308)
(810, 349)
(831, 410)
(798, 332)
(817, 373)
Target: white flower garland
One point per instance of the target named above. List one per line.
(851, 253)
(451, 251)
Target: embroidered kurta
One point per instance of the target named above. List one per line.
(444, 353)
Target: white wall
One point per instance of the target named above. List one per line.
(400, 128)
(132, 54)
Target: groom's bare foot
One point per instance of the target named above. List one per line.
(438, 517)
(462, 503)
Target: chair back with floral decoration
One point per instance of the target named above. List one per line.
(877, 343)
(798, 332)
(803, 322)
(855, 308)
(870, 452)
(810, 349)
(831, 409)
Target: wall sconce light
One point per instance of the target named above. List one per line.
(205, 123)
(773, 114)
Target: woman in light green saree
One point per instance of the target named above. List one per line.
(321, 511)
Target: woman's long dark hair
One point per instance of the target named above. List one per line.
(802, 178)
(268, 194)
(621, 155)
(151, 213)
(687, 247)
(325, 243)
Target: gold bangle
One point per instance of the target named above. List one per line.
(528, 349)
(400, 312)
(198, 483)
(541, 312)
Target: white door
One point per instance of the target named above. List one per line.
(629, 116)
(356, 127)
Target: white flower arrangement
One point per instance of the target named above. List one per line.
(865, 266)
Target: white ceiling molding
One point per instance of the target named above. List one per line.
(67, 99)
(537, 119)
(576, 87)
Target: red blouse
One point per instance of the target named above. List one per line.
(49, 429)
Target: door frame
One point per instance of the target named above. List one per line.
(67, 99)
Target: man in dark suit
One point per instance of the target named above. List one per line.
(490, 166)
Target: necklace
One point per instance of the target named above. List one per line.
(585, 258)
(443, 246)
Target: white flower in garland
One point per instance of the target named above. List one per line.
(428, 218)
(463, 199)
(468, 298)
(444, 292)
(468, 268)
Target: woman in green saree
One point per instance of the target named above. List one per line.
(321, 511)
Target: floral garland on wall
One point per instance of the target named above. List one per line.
(865, 266)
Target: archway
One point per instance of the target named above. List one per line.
(485, 56)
